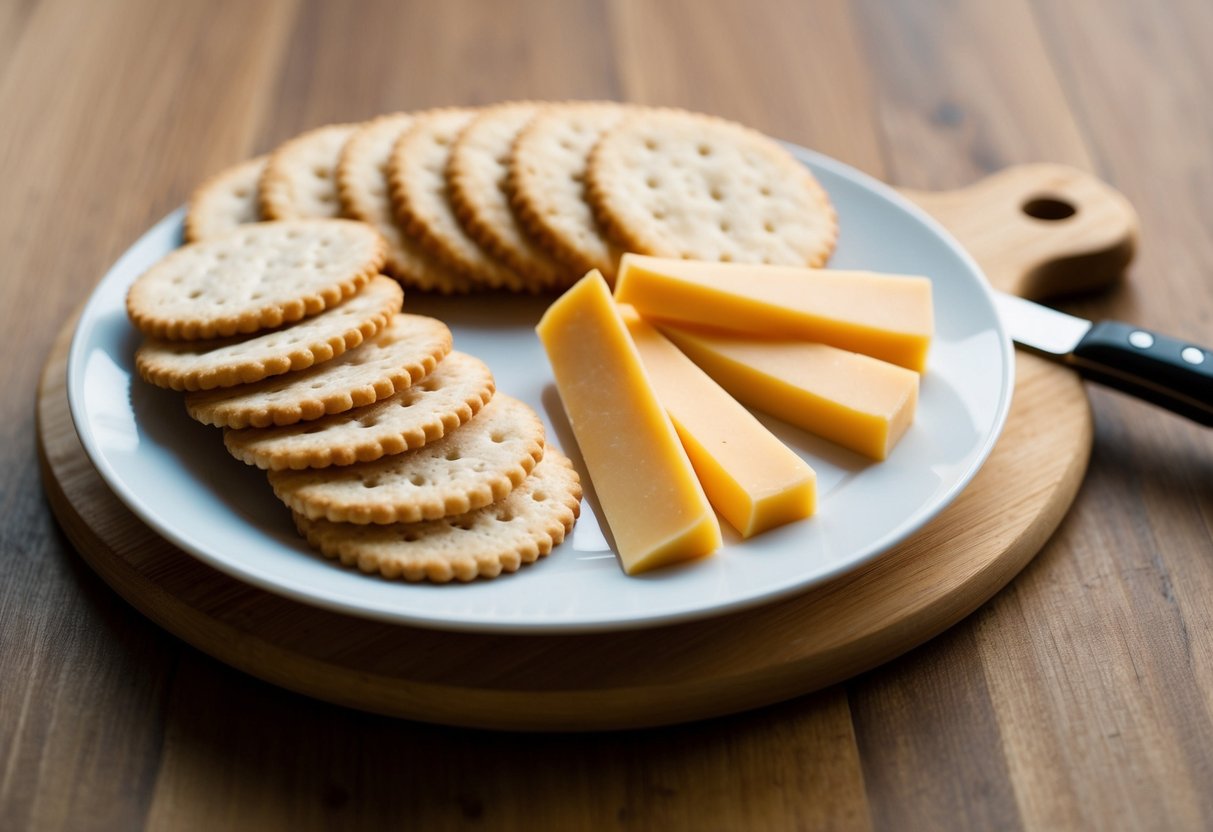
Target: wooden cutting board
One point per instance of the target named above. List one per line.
(1037, 230)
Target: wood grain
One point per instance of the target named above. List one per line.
(77, 688)
(1139, 578)
(1063, 703)
(360, 771)
(343, 67)
(1035, 248)
(736, 64)
(1097, 660)
(601, 681)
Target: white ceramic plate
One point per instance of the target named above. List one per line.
(175, 474)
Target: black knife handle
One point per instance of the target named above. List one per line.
(1177, 375)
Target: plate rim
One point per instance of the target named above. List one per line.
(880, 547)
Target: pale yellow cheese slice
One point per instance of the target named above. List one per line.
(885, 316)
(653, 502)
(754, 480)
(859, 402)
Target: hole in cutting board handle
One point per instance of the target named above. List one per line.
(1049, 208)
(1046, 253)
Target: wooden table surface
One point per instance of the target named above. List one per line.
(1079, 697)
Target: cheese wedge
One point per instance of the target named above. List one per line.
(653, 502)
(859, 402)
(885, 316)
(754, 481)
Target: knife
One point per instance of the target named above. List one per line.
(1174, 374)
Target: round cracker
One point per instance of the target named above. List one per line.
(525, 526)
(403, 353)
(417, 176)
(256, 277)
(477, 175)
(478, 464)
(204, 365)
(225, 201)
(451, 395)
(547, 184)
(363, 187)
(300, 177)
(677, 184)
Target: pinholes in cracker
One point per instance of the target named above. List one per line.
(483, 543)
(300, 177)
(203, 365)
(468, 468)
(363, 185)
(256, 277)
(451, 395)
(477, 174)
(225, 201)
(420, 198)
(403, 353)
(678, 184)
(547, 185)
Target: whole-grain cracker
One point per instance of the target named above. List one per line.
(300, 180)
(225, 201)
(403, 353)
(525, 526)
(203, 365)
(255, 277)
(451, 395)
(420, 198)
(677, 184)
(478, 464)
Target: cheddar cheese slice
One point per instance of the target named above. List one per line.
(859, 402)
(885, 316)
(754, 480)
(653, 502)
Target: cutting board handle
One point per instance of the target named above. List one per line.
(1040, 230)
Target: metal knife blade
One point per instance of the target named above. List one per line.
(1039, 327)
(1169, 372)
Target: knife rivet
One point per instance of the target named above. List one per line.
(1141, 340)
(1193, 355)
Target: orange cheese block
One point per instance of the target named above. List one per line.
(754, 480)
(859, 402)
(653, 502)
(885, 316)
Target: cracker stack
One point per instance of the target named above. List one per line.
(528, 196)
(392, 450)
